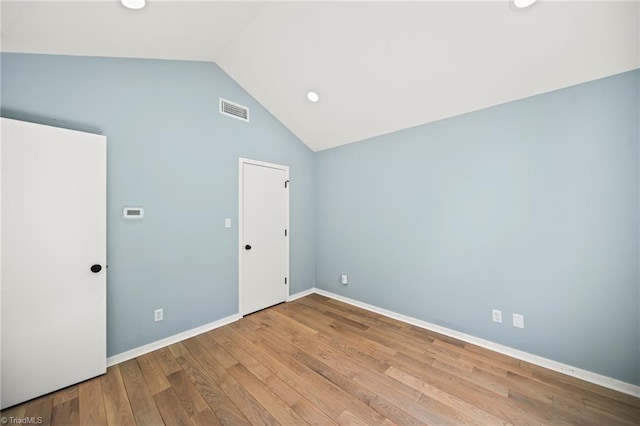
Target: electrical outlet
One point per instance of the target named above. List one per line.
(343, 279)
(518, 320)
(496, 315)
(158, 315)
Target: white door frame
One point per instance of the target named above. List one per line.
(241, 162)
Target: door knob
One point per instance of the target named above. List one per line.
(96, 268)
(247, 247)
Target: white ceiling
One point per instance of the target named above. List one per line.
(378, 66)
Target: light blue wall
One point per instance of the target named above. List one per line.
(530, 207)
(170, 151)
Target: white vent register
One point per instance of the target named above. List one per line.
(234, 110)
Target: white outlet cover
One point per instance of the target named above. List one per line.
(227, 223)
(158, 315)
(496, 315)
(343, 279)
(518, 320)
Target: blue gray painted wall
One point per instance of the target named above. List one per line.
(530, 207)
(170, 151)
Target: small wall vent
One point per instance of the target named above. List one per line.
(234, 110)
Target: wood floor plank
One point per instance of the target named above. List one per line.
(290, 325)
(627, 399)
(17, 411)
(431, 391)
(116, 402)
(577, 410)
(347, 321)
(311, 414)
(347, 418)
(322, 361)
(311, 316)
(245, 403)
(387, 389)
(91, 403)
(250, 407)
(177, 349)
(207, 359)
(614, 410)
(167, 361)
(219, 402)
(324, 380)
(41, 409)
(65, 413)
(391, 411)
(64, 395)
(189, 397)
(390, 342)
(172, 412)
(488, 381)
(512, 410)
(270, 401)
(361, 341)
(141, 400)
(537, 390)
(206, 418)
(447, 414)
(322, 399)
(383, 384)
(359, 353)
(345, 359)
(239, 354)
(497, 359)
(451, 358)
(280, 388)
(153, 374)
(218, 352)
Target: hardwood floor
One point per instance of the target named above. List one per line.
(320, 361)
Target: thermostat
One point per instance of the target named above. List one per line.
(132, 213)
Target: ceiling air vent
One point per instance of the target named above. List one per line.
(234, 110)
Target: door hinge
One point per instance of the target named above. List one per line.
(285, 280)
(286, 183)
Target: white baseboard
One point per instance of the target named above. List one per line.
(569, 370)
(300, 294)
(150, 347)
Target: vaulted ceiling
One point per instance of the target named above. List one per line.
(377, 66)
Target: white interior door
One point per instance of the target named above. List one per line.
(53, 232)
(264, 242)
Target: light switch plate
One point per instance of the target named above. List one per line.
(518, 320)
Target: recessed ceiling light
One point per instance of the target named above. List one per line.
(521, 4)
(133, 4)
(313, 97)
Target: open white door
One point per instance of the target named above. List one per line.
(264, 242)
(53, 259)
